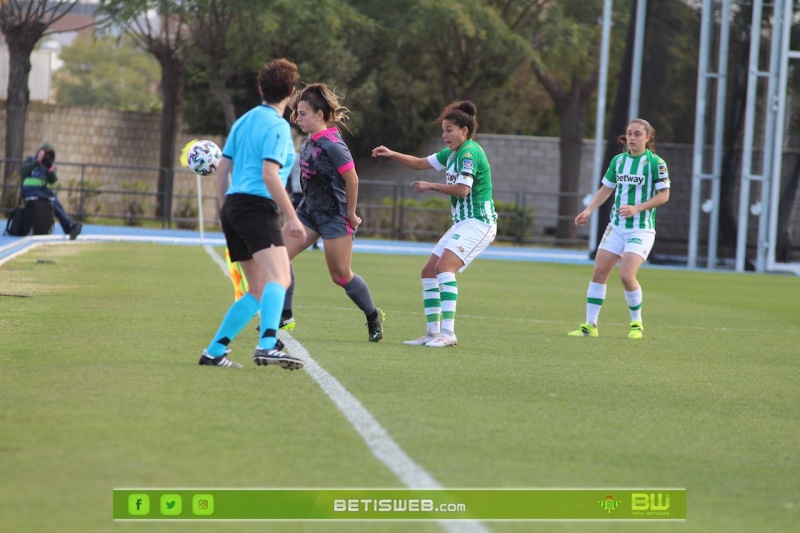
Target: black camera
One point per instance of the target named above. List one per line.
(48, 159)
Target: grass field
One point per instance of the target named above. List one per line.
(100, 389)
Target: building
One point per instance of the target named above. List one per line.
(79, 20)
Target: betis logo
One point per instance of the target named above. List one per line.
(609, 503)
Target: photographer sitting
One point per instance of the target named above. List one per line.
(38, 176)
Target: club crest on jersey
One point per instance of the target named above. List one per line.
(315, 152)
(627, 178)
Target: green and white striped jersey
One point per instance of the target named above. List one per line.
(636, 180)
(468, 165)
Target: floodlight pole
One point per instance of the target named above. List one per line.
(769, 164)
(704, 75)
(767, 177)
(638, 46)
(700, 134)
(600, 122)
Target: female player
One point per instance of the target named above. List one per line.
(329, 182)
(469, 185)
(641, 181)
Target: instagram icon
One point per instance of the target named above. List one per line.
(203, 504)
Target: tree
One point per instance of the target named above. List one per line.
(434, 52)
(465, 48)
(670, 60)
(790, 185)
(225, 33)
(160, 28)
(789, 188)
(23, 24)
(331, 41)
(397, 63)
(563, 40)
(107, 72)
(328, 39)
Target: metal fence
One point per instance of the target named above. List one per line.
(129, 195)
(109, 192)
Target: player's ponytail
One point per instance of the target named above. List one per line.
(463, 114)
(320, 97)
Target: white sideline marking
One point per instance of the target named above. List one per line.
(25, 245)
(218, 260)
(21, 251)
(380, 443)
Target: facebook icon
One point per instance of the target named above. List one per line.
(138, 504)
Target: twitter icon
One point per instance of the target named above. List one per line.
(171, 504)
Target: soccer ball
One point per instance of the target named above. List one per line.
(204, 157)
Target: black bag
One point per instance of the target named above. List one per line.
(39, 216)
(16, 223)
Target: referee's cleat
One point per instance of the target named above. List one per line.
(586, 330)
(274, 356)
(375, 325)
(637, 330)
(208, 360)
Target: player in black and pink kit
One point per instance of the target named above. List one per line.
(330, 194)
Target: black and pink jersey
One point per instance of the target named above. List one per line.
(323, 160)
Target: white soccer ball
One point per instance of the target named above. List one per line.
(204, 157)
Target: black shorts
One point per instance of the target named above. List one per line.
(250, 224)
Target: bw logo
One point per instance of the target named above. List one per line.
(653, 501)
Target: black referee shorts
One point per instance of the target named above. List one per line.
(250, 224)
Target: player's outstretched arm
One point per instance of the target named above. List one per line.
(410, 161)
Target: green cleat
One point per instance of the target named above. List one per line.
(375, 326)
(586, 330)
(287, 323)
(637, 330)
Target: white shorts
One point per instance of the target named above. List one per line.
(467, 239)
(619, 241)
